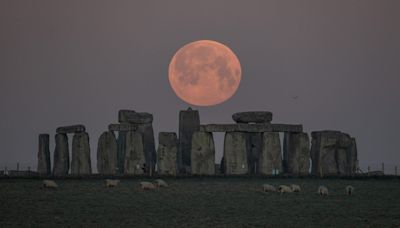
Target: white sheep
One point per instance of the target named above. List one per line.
(147, 185)
(49, 184)
(112, 183)
(268, 188)
(284, 189)
(349, 190)
(295, 188)
(161, 183)
(323, 191)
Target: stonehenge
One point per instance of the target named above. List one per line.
(252, 146)
(167, 153)
(44, 167)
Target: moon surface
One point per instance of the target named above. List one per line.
(204, 73)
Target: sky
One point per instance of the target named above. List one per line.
(69, 62)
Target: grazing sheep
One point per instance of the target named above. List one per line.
(161, 183)
(112, 183)
(268, 188)
(349, 190)
(295, 188)
(284, 189)
(49, 184)
(147, 186)
(323, 191)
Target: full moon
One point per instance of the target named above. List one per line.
(204, 73)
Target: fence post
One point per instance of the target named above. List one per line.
(369, 170)
(17, 166)
(383, 168)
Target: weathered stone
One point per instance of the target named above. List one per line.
(189, 122)
(167, 153)
(123, 127)
(130, 116)
(240, 127)
(71, 129)
(80, 164)
(107, 162)
(135, 161)
(61, 155)
(271, 157)
(44, 167)
(296, 153)
(121, 151)
(333, 153)
(202, 154)
(254, 149)
(235, 153)
(252, 117)
(149, 146)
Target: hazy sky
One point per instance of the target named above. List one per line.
(68, 62)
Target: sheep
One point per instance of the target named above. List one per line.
(147, 185)
(161, 183)
(323, 191)
(49, 184)
(268, 188)
(295, 188)
(349, 190)
(112, 183)
(284, 189)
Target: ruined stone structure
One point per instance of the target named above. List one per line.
(202, 154)
(189, 122)
(61, 155)
(107, 163)
(167, 152)
(296, 153)
(333, 153)
(44, 166)
(252, 146)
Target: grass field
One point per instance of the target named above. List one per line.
(199, 202)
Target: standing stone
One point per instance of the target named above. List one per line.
(61, 155)
(254, 150)
(333, 153)
(135, 161)
(44, 167)
(81, 164)
(121, 141)
(235, 153)
(271, 155)
(167, 153)
(189, 122)
(202, 154)
(297, 153)
(107, 163)
(149, 147)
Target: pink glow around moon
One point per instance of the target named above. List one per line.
(204, 73)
